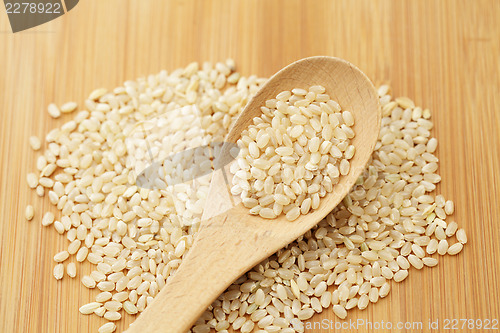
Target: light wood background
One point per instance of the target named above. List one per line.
(443, 54)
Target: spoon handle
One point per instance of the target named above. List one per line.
(220, 254)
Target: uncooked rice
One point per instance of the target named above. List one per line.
(107, 328)
(71, 269)
(32, 180)
(69, 107)
(29, 212)
(58, 271)
(293, 154)
(54, 111)
(136, 233)
(89, 307)
(35, 143)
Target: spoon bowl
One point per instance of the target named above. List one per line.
(230, 240)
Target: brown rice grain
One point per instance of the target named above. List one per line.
(100, 311)
(112, 315)
(89, 308)
(71, 269)
(130, 308)
(29, 212)
(58, 271)
(68, 107)
(53, 111)
(339, 311)
(455, 249)
(88, 282)
(442, 247)
(107, 328)
(461, 236)
(35, 143)
(61, 256)
(400, 275)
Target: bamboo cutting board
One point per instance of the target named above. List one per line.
(443, 54)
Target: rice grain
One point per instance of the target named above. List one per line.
(461, 236)
(35, 143)
(107, 328)
(69, 107)
(29, 212)
(340, 311)
(455, 249)
(89, 308)
(58, 271)
(53, 111)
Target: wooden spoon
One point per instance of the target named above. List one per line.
(230, 240)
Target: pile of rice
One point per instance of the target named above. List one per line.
(128, 208)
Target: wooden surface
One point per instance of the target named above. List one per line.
(443, 54)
